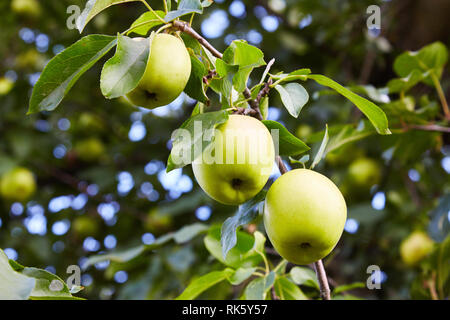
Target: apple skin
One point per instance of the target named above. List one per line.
(167, 73)
(304, 216)
(18, 184)
(416, 247)
(364, 172)
(235, 181)
(85, 226)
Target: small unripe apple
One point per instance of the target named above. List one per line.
(237, 165)
(90, 149)
(85, 226)
(304, 216)
(30, 8)
(157, 222)
(18, 184)
(303, 131)
(416, 247)
(6, 86)
(364, 172)
(166, 75)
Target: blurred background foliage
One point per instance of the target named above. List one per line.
(100, 164)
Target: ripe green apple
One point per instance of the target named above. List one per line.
(237, 165)
(304, 216)
(89, 149)
(18, 184)
(167, 73)
(364, 172)
(416, 247)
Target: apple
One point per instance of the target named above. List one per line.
(237, 165)
(303, 131)
(18, 184)
(167, 73)
(6, 86)
(157, 222)
(364, 172)
(304, 216)
(30, 8)
(89, 149)
(416, 247)
(85, 226)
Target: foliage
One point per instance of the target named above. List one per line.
(122, 188)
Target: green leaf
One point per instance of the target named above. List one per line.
(293, 96)
(406, 83)
(346, 134)
(432, 58)
(120, 256)
(150, 19)
(289, 145)
(13, 285)
(374, 113)
(443, 265)
(348, 287)
(189, 232)
(439, 226)
(203, 283)
(181, 236)
(300, 74)
(188, 143)
(286, 290)
(48, 285)
(264, 107)
(94, 7)
(258, 288)
(65, 69)
(245, 215)
(246, 57)
(243, 254)
(122, 73)
(304, 276)
(321, 152)
(240, 275)
(185, 7)
(195, 87)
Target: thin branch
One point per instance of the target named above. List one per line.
(428, 127)
(184, 27)
(323, 281)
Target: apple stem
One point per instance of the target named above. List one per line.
(254, 104)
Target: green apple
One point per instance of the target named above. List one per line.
(304, 216)
(157, 222)
(303, 131)
(237, 165)
(167, 73)
(85, 226)
(6, 86)
(364, 172)
(30, 8)
(416, 247)
(89, 149)
(18, 184)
